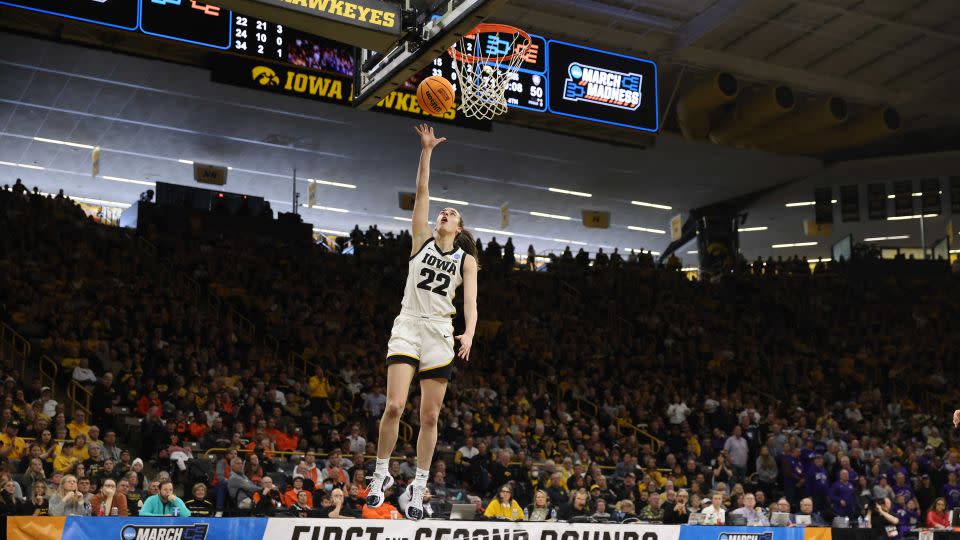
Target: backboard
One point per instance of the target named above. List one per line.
(431, 27)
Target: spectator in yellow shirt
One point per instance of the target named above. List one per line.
(80, 450)
(79, 424)
(11, 446)
(504, 506)
(65, 460)
(319, 391)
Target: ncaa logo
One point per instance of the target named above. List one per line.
(128, 533)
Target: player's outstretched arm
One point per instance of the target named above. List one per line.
(421, 206)
(469, 306)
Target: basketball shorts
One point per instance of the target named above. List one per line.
(423, 342)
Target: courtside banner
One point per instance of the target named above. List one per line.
(700, 532)
(120, 528)
(329, 529)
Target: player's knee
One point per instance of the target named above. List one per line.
(393, 409)
(429, 418)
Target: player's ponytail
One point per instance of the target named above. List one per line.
(466, 241)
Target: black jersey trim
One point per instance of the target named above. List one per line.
(463, 260)
(425, 244)
(445, 253)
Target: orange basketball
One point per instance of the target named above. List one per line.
(435, 95)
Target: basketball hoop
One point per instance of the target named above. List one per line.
(485, 67)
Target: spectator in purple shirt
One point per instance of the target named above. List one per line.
(909, 517)
(951, 491)
(792, 473)
(851, 473)
(843, 499)
(807, 454)
(818, 484)
(901, 487)
(896, 468)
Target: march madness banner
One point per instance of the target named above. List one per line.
(688, 532)
(118, 528)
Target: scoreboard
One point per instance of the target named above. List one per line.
(554, 77)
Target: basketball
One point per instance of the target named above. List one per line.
(435, 95)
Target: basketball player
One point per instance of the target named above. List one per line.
(956, 418)
(421, 342)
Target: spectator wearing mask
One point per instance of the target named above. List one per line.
(541, 510)
(503, 506)
(755, 516)
(164, 503)
(108, 502)
(199, 505)
(68, 501)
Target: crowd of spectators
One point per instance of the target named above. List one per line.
(624, 392)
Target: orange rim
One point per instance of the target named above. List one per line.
(490, 28)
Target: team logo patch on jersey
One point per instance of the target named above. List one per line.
(457, 255)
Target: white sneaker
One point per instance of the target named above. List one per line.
(375, 496)
(414, 510)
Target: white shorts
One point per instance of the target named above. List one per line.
(423, 342)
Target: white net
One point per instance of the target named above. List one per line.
(482, 81)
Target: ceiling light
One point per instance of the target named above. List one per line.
(823, 260)
(551, 216)
(883, 238)
(634, 250)
(796, 204)
(128, 180)
(451, 201)
(955, 251)
(327, 208)
(751, 229)
(798, 244)
(493, 231)
(332, 232)
(568, 192)
(185, 161)
(574, 242)
(645, 229)
(402, 218)
(915, 216)
(329, 183)
(690, 269)
(692, 252)
(651, 205)
(64, 143)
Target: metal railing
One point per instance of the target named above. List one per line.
(80, 397)
(654, 442)
(48, 370)
(14, 348)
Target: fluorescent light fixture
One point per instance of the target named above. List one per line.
(646, 229)
(574, 242)
(917, 194)
(636, 250)
(883, 238)
(955, 251)
(551, 216)
(332, 232)
(185, 161)
(824, 260)
(798, 244)
(327, 208)
(798, 204)
(493, 231)
(692, 252)
(36, 167)
(64, 143)
(690, 269)
(568, 192)
(651, 205)
(451, 201)
(329, 183)
(751, 229)
(128, 180)
(402, 218)
(915, 216)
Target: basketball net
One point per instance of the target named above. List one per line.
(483, 76)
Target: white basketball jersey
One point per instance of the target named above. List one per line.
(432, 280)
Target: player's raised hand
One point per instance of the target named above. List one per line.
(956, 418)
(466, 342)
(428, 141)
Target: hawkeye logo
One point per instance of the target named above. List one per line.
(140, 532)
(747, 536)
(300, 83)
(603, 86)
(350, 10)
(265, 76)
